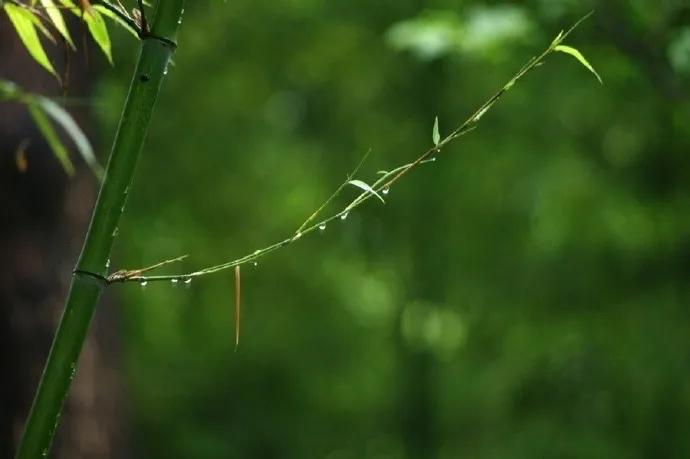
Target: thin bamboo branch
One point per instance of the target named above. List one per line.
(383, 184)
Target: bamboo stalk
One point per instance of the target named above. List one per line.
(157, 47)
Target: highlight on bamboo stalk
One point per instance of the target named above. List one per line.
(382, 185)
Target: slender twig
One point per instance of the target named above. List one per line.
(142, 13)
(124, 274)
(383, 184)
(350, 176)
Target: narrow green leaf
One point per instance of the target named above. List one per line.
(578, 55)
(99, 32)
(60, 116)
(111, 15)
(51, 137)
(69, 4)
(41, 27)
(435, 135)
(56, 17)
(23, 22)
(364, 186)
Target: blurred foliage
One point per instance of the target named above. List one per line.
(524, 296)
(42, 111)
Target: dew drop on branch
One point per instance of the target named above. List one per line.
(188, 282)
(174, 282)
(107, 263)
(344, 215)
(385, 190)
(322, 226)
(143, 284)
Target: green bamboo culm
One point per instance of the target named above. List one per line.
(158, 45)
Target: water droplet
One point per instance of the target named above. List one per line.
(44, 453)
(385, 190)
(432, 159)
(188, 282)
(143, 284)
(165, 70)
(256, 263)
(344, 215)
(257, 251)
(115, 231)
(107, 263)
(297, 235)
(174, 282)
(322, 226)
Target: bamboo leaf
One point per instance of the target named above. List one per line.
(69, 4)
(56, 17)
(578, 55)
(41, 27)
(99, 32)
(111, 15)
(364, 186)
(64, 119)
(23, 22)
(51, 137)
(558, 39)
(435, 135)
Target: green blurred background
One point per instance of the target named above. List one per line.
(524, 296)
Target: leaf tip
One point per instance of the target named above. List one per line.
(435, 134)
